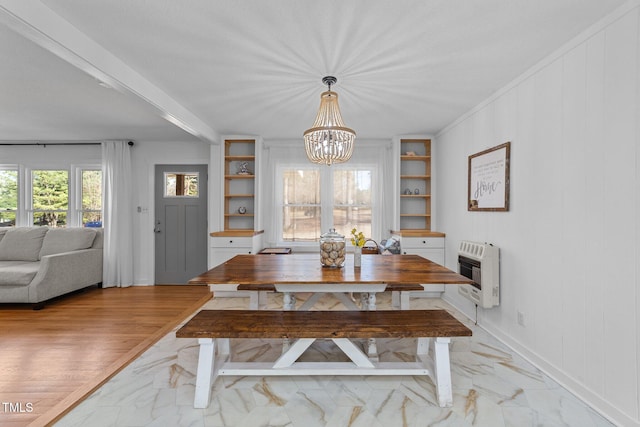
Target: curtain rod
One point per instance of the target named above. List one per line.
(44, 144)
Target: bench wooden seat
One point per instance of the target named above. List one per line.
(265, 287)
(260, 287)
(211, 326)
(400, 293)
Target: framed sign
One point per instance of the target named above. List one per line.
(488, 188)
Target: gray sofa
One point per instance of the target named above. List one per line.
(40, 263)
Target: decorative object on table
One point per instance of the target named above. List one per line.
(332, 249)
(390, 246)
(370, 247)
(329, 141)
(488, 180)
(358, 240)
(242, 210)
(416, 191)
(407, 191)
(243, 168)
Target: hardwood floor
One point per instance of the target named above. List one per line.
(53, 358)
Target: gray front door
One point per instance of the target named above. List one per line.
(180, 222)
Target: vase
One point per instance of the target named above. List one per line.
(357, 256)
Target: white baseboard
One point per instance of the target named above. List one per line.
(596, 402)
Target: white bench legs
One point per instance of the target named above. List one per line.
(442, 371)
(439, 366)
(208, 366)
(436, 365)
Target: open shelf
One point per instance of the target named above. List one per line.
(239, 186)
(415, 178)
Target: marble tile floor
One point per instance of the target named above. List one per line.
(493, 387)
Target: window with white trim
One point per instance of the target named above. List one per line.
(90, 200)
(315, 199)
(8, 197)
(51, 197)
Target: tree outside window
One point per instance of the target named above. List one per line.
(50, 197)
(91, 198)
(349, 206)
(352, 204)
(8, 197)
(301, 205)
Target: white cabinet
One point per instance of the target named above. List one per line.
(235, 208)
(430, 247)
(224, 248)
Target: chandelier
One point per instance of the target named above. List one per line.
(329, 141)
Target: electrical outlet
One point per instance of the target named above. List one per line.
(521, 318)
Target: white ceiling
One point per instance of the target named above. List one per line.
(220, 67)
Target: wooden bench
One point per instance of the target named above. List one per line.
(400, 294)
(211, 326)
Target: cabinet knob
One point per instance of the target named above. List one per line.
(230, 241)
(424, 242)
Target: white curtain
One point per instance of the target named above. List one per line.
(118, 214)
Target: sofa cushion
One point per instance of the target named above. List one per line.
(2, 232)
(58, 240)
(22, 244)
(18, 273)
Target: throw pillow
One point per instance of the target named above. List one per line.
(22, 244)
(60, 240)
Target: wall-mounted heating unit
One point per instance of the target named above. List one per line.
(480, 262)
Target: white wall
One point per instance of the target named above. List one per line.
(570, 243)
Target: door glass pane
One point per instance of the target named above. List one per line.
(181, 184)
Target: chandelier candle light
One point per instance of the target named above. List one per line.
(329, 141)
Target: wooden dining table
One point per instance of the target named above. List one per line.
(304, 273)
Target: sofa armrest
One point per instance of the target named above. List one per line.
(66, 272)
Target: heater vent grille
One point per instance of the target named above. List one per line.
(481, 263)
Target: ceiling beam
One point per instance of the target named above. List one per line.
(41, 25)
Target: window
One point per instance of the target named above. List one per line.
(352, 201)
(301, 205)
(50, 197)
(344, 193)
(91, 198)
(55, 198)
(8, 197)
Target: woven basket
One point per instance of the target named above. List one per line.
(370, 247)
